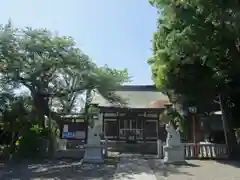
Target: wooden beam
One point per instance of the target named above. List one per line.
(126, 109)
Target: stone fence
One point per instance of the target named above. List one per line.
(204, 150)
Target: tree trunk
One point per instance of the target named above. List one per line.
(41, 104)
(227, 126)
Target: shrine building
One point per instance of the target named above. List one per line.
(138, 119)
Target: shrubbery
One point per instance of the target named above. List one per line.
(30, 145)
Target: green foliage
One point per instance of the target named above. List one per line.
(31, 142)
(107, 80)
(196, 52)
(176, 118)
(51, 66)
(196, 46)
(53, 69)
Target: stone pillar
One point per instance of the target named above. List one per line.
(159, 148)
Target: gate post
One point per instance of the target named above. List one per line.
(159, 148)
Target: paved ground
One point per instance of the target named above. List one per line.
(131, 168)
(136, 168)
(197, 170)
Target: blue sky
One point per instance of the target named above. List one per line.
(113, 32)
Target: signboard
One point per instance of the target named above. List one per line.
(73, 129)
(80, 134)
(74, 135)
(67, 135)
(65, 128)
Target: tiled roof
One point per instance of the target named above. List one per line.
(151, 88)
(136, 97)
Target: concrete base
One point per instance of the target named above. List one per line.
(173, 154)
(93, 154)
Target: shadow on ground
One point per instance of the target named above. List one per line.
(164, 170)
(235, 164)
(62, 170)
(134, 165)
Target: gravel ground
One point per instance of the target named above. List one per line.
(61, 170)
(197, 170)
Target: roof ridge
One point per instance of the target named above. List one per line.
(152, 88)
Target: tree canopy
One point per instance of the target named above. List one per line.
(196, 50)
(196, 46)
(52, 66)
(56, 73)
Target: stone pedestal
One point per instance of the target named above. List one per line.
(93, 154)
(174, 154)
(93, 148)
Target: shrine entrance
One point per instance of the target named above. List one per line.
(135, 123)
(131, 124)
(130, 129)
(133, 130)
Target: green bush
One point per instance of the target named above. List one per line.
(29, 145)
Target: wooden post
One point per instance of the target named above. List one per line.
(158, 126)
(103, 123)
(118, 125)
(195, 136)
(193, 111)
(106, 147)
(224, 120)
(143, 127)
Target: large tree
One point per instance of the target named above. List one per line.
(38, 60)
(196, 51)
(105, 82)
(71, 102)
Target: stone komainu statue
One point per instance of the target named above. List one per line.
(173, 136)
(174, 150)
